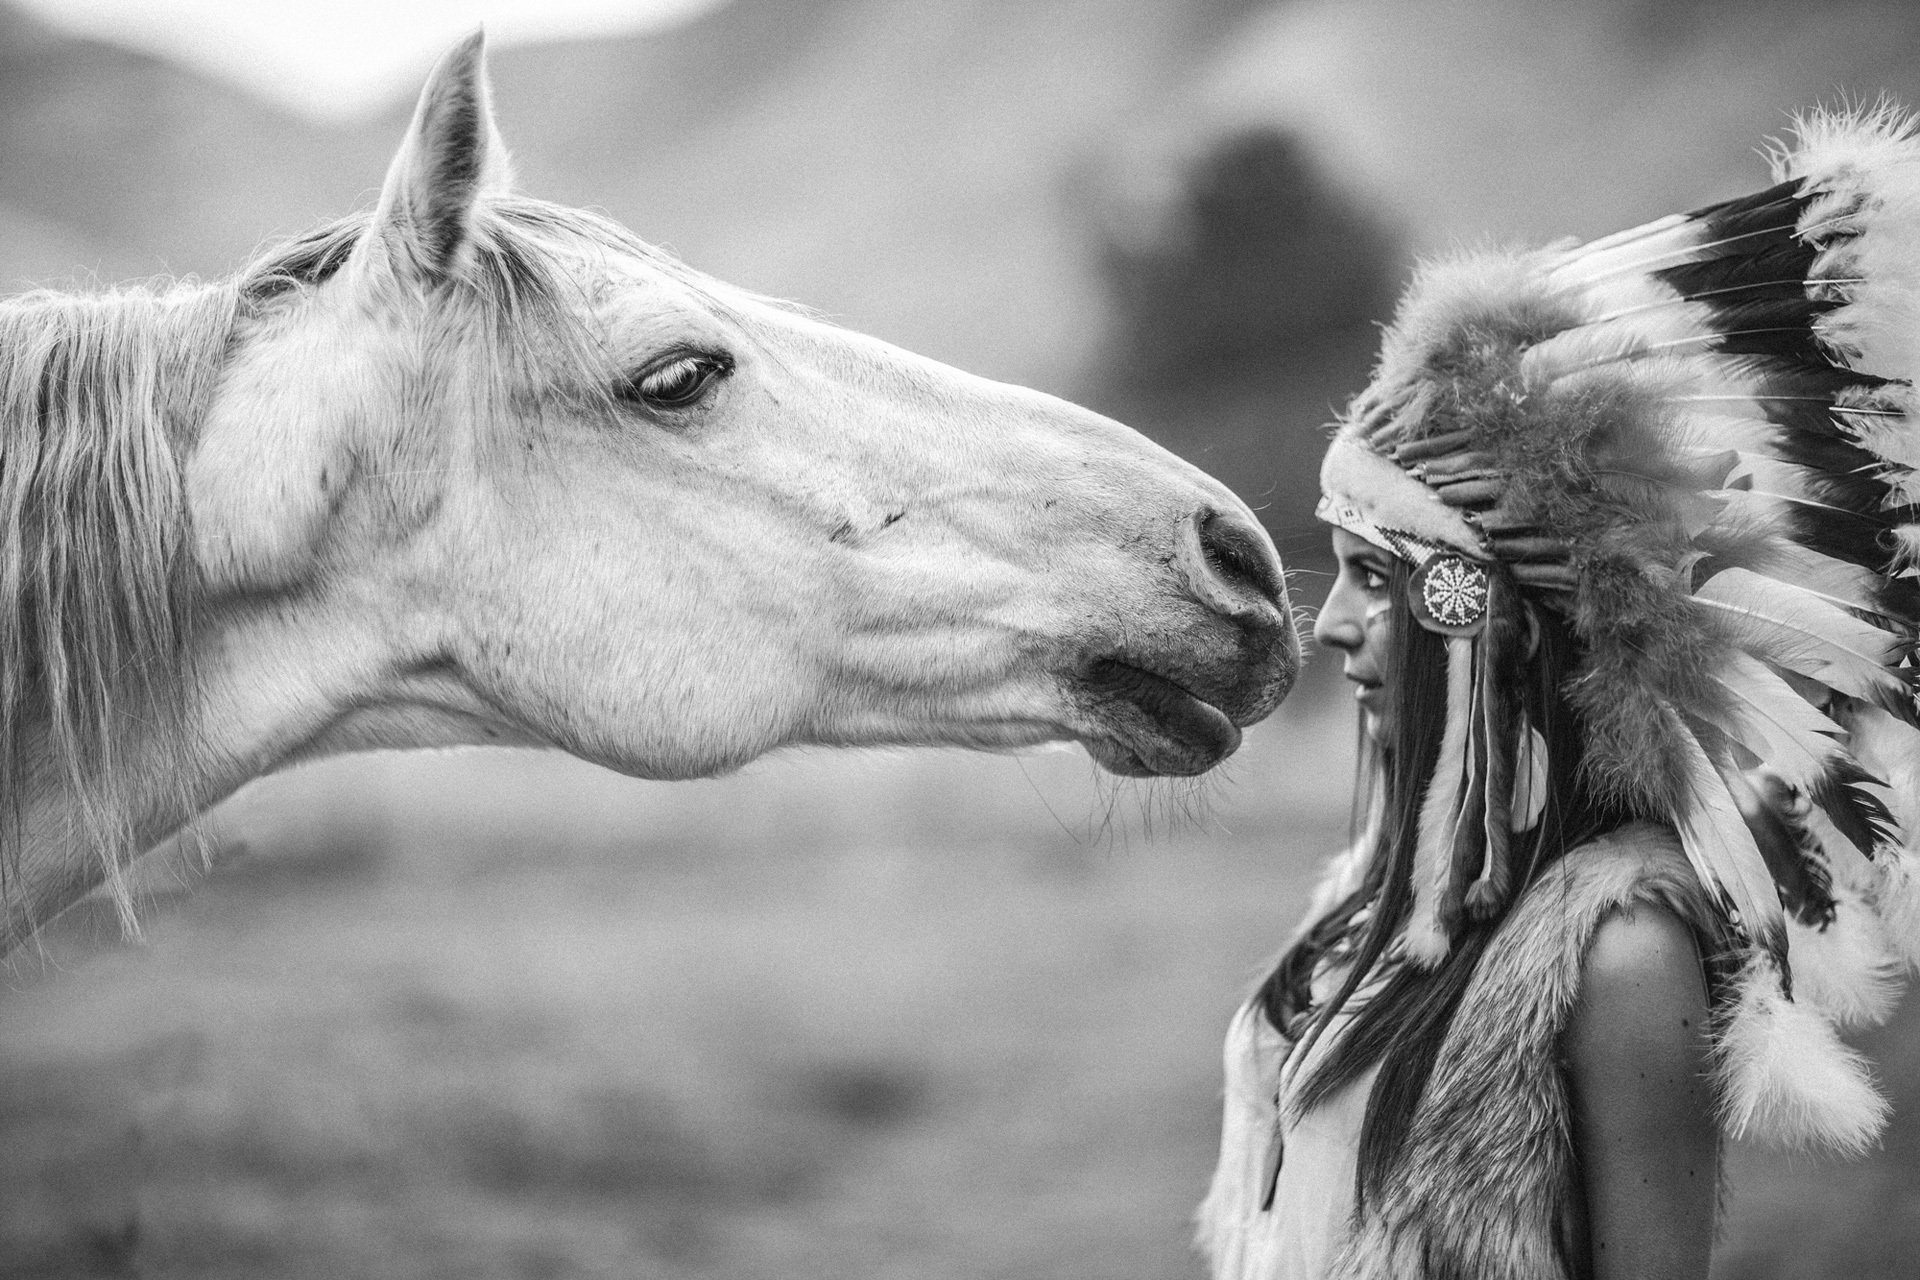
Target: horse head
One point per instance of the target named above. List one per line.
(592, 497)
(472, 467)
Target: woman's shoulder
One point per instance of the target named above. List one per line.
(1643, 959)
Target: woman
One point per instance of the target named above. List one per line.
(1625, 535)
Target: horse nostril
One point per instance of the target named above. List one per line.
(1240, 556)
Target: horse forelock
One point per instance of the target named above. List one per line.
(99, 395)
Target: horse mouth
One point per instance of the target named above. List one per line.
(1154, 726)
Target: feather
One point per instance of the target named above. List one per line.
(1887, 748)
(1856, 537)
(1867, 167)
(1716, 841)
(1775, 818)
(1728, 428)
(1897, 900)
(1854, 872)
(1502, 731)
(1881, 424)
(1631, 337)
(1846, 969)
(1529, 781)
(1632, 253)
(1838, 582)
(1847, 796)
(1890, 748)
(1427, 940)
(1799, 631)
(1469, 848)
(1905, 556)
(1785, 1075)
(1788, 734)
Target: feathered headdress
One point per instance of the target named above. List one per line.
(1697, 440)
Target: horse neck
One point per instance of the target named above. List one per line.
(98, 395)
(66, 835)
(274, 682)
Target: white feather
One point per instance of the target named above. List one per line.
(1764, 715)
(1852, 871)
(1786, 1078)
(1888, 748)
(1761, 472)
(1897, 900)
(1630, 253)
(1835, 581)
(1427, 942)
(1680, 327)
(1884, 425)
(1906, 547)
(1867, 168)
(1801, 632)
(1529, 782)
(1847, 970)
(1723, 426)
(1718, 844)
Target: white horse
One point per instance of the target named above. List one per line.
(474, 468)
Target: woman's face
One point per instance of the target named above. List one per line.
(1356, 620)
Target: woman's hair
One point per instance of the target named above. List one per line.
(1401, 1024)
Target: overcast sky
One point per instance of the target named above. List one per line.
(335, 58)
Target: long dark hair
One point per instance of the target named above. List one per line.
(1402, 1024)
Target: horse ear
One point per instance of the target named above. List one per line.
(451, 157)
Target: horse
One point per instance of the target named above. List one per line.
(468, 467)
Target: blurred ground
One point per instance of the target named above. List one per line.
(501, 1015)
(504, 1015)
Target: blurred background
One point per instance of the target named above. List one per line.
(504, 1015)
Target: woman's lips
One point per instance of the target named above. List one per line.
(1368, 695)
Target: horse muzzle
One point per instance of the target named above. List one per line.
(1174, 703)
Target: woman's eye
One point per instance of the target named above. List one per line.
(1372, 578)
(679, 382)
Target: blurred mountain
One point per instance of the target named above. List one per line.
(1465, 120)
(938, 175)
(1190, 215)
(902, 167)
(151, 167)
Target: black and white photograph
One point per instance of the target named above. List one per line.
(959, 639)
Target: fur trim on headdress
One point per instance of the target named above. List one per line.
(1697, 440)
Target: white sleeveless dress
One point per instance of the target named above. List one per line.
(1297, 1238)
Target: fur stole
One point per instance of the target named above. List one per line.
(1486, 1186)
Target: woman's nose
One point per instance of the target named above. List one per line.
(1339, 624)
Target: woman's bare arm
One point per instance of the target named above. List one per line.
(1645, 1134)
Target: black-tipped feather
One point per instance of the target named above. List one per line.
(1775, 207)
(1843, 473)
(1855, 812)
(1775, 816)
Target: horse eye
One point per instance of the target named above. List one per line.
(678, 382)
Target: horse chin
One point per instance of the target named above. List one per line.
(1151, 725)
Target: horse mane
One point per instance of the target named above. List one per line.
(101, 397)
(98, 392)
